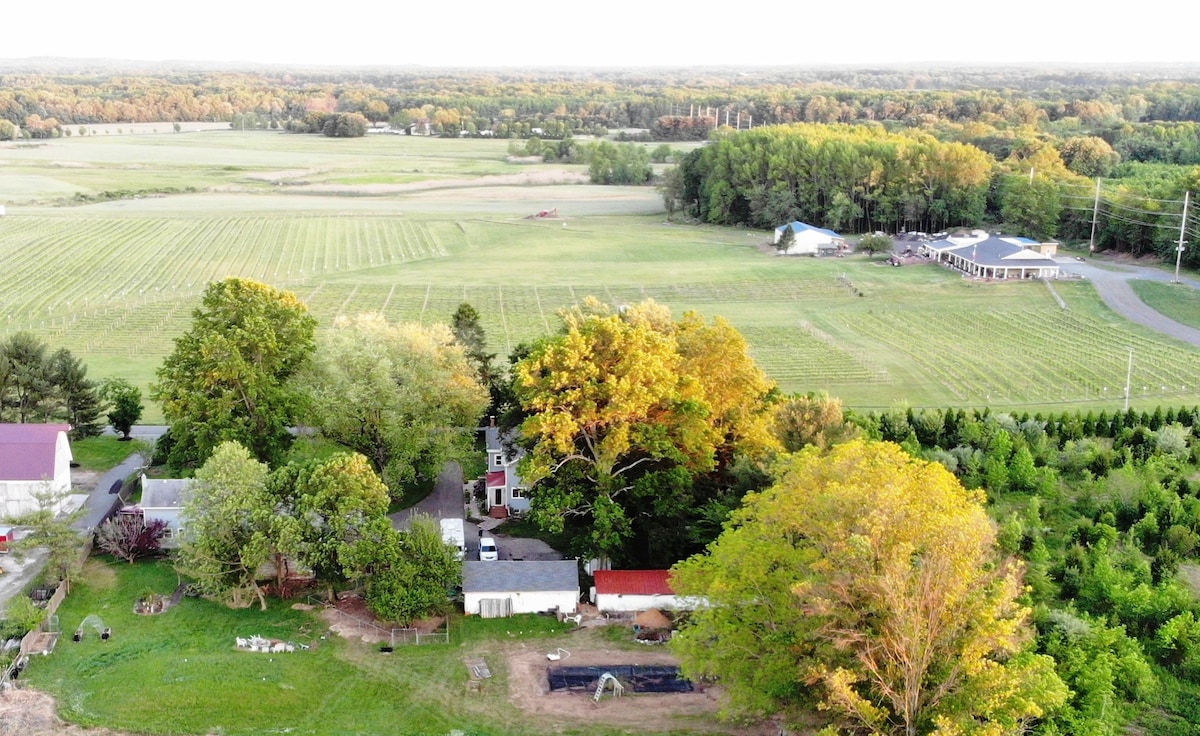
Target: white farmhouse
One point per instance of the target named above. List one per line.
(162, 500)
(506, 587)
(35, 459)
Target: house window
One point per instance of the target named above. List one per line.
(518, 493)
(497, 462)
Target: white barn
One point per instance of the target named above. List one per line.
(637, 590)
(506, 587)
(35, 459)
(808, 240)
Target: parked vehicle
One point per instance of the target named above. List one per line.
(488, 550)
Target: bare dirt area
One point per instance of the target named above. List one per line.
(84, 480)
(647, 712)
(352, 620)
(31, 713)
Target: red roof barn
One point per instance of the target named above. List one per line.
(637, 590)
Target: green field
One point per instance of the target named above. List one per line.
(411, 227)
(1180, 302)
(178, 672)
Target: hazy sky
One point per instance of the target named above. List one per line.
(612, 33)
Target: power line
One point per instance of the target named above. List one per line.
(1131, 221)
(1144, 212)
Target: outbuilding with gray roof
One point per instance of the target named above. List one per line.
(505, 587)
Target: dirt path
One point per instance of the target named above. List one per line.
(31, 713)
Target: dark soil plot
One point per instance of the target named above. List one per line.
(638, 678)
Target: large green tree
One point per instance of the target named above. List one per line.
(404, 395)
(228, 378)
(409, 575)
(323, 509)
(125, 404)
(227, 521)
(868, 581)
(39, 386)
(27, 391)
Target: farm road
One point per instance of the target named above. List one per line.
(1115, 291)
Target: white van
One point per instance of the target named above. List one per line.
(453, 535)
(488, 550)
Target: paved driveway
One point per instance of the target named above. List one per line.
(1112, 284)
(445, 502)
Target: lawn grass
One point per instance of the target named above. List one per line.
(527, 527)
(127, 274)
(180, 673)
(105, 452)
(1177, 301)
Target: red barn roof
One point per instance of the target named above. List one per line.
(27, 450)
(633, 582)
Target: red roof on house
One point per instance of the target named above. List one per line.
(633, 582)
(27, 450)
(495, 478)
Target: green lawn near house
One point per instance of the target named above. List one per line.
(180, 672)
(1180, 302)
(104, 452)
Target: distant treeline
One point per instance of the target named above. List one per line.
(864, 177)
(478, 101)
(896, 162)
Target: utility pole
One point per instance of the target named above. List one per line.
(1182, 225)
(1095, 213)
(1128, 379)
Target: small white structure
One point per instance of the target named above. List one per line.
(35, 459)
(454, 535)
(809, 240)
(504, 486)
(162, 500)
(506, 587)
(637, 590)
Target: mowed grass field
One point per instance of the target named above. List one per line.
(180, 671)
(412, 227)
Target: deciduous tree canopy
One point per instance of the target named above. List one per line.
(228, 377)
(619, 396)
(404, 395)
(227, 526)
(871, 578)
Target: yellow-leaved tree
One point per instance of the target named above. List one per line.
(868, 583)
(627, 410)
